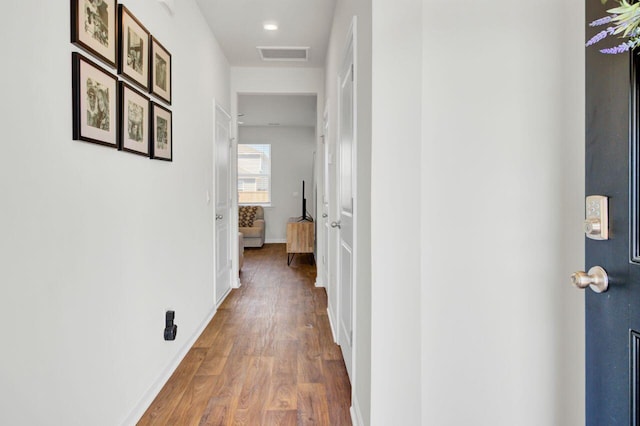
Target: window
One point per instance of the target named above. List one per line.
(254, 173)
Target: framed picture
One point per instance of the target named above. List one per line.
(133, 49)
(93, 28)
(94, 102)
(161, 133)
(134, 120)
(160, 82)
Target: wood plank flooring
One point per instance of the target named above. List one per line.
(266, 358)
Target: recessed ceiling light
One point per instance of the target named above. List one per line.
(270, 26)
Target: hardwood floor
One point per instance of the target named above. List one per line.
(266, 358)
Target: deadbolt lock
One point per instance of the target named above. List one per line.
(596, 224)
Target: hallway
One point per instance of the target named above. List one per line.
(266, 358)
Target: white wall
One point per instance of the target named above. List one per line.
(502, 187)
(291, 162)
(343, 15)
(95, 243)
(395, 214)
(256, 80)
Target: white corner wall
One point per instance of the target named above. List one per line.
(291, 162)
(502, 207)
(396, 218)
(96, 244)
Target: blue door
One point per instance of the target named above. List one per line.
(612, 170)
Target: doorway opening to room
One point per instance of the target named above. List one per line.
(276, 174)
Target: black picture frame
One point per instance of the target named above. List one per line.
(133, 116)
(94, 102)
(160, 72)
(94, 28)
(133, 49)
(161, 133)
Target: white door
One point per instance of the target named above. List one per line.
(346, 192)
(222, 239)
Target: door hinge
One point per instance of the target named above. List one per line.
(352, 72)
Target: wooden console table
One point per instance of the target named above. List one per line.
(300, 237)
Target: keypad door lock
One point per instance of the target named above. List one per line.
(596, 224)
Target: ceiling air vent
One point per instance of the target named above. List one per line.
(284, 53)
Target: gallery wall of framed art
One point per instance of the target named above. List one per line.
(120, 85)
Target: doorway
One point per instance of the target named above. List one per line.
(277, 138)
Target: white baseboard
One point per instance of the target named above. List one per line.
(223, 297)
(356, 414)
(146, 400)
(275, 240)
(319, 282)
(333, 330)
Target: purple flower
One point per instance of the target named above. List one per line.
(621, 48)
(602, 21)
(601, 35)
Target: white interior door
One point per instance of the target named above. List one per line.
(345, 224)
(223, 204)
(323, 223)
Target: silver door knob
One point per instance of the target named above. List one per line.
(219, 217)
(335, 224)
(597, 279)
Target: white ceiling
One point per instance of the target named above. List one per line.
(281, 110)
(238, 27)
